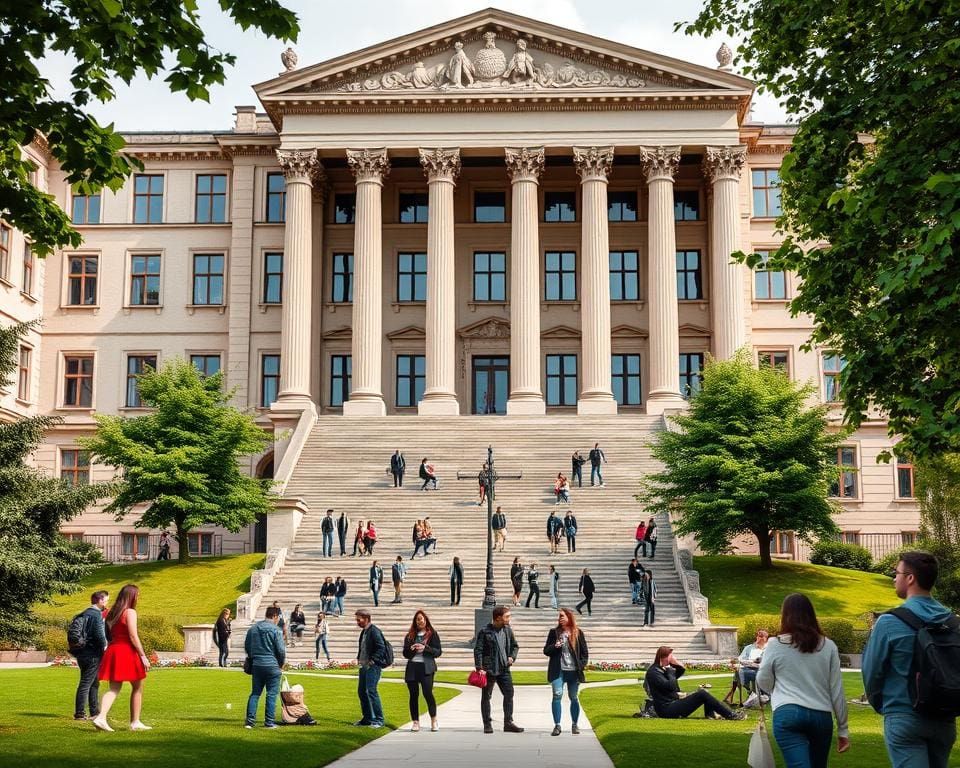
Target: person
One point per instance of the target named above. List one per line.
(421, 648)
(124, 660)
(298, 623)
(327, 594)
(456, 581)
(570, 529)
(369, 538)
(327, 525)
(661, 681)
(650, 538)
(635, 573)
(376, 581)
(554, 588)
(566, 647)
(429, 538)
(597, 457)
(561, 487)
(397, 466)
(577, 461)
(533, 585)
(371, 658)
(499, 524)
(358, 544)
(89, 656)
(494, 652)
(750, 657)
(267, 650)
(516, 579)
(281, 621)
(641, 540)
(343, 528)
(482, 481)
(801, 672)
(164, 552)
(648, 593)
(221, 636)
(398, 572)
(320, 632)
(427, 474)
(418, 540)
(587, 589)
(340, 592)
(911, 738)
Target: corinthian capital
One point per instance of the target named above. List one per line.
(440, 164)
(724, 162)
(369, 164)
(524, 163)
(593, 163)
(660, 163)
(299, 164)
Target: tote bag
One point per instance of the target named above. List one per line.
(760, 754)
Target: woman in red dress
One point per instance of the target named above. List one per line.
(124, 660)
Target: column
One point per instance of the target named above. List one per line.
(722, 166)
(370, 167)
(660, 166)
(594, 164)
(299, 168)
(441, 166)
(525, 165)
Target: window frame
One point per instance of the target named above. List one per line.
(82, 278)
(24, 373)
(6, 243)
(832, 374)
(565, 191)
(766, 275)
(688, 389)
(475, 206)
(267, 275)
(344, 376)
(73, 472)
(269, 194)
(626, 377)
(79, 377)
(149, 195)
(611, 194)
(686, 271)
(28, 268)
(196, 549)
(623, 273)
(562, 377)
(131, 398)
(488, 276)
(411, 275)
(769, 191)
(352, 218)
(418, 207)
(560, 272)
(75, 197)
(699, 210)
(768, 352)
(901, 465)
(136, 538)
(842, 494)
(132, 278)
(344, 276)
(211, 195)
(210, 275)
(266, 377)
(191, 356)
(412, 381)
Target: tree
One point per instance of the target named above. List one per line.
(183, 459)
(36, 562)
(110, 40)
(749, 457)
(875, 172)
(937, 488)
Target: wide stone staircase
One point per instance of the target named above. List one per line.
(344, 467)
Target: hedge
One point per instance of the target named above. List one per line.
(157, 633)
(840, 631)
(840, 555)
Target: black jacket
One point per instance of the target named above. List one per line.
(431, 650)
(596, 457)
(586, 586)
(221, 631)
(635, 574)
(516, 576)
(553, 653)
(341, 588)
(327, 524)
(570, 522)
(577, 463)
(328, 590)
(376, 576)
(343, 524)
(376, 645)
(663, 685)
(96, 633)
(553, 522)
(397, 463)
(485, 650)
(499, 521)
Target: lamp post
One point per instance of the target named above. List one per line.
(489, 592)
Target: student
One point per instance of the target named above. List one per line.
(635, 573)
(298, 622)
(343, 528)
(340, 592)
(265, 646)
(328, 593)
(499, 524)
(221, 636)
(661, 680)
(533, 586)
(576, 462)
(90, 654)
(320, 632)
(597, 457)
(327, 527)
(398, 572)
(641, 540)
(494, 652)
(427, 474)
(456, 581)
(567, 650)
(369, 538)
(554, 588)
(376, 581)
(371, 659)
(570, 529)
(587, 589)
(358, 540)
(650, 538)
(397, 467)
(421, 647)
(648, 594)
(516, 579)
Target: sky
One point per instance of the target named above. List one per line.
(330, 29)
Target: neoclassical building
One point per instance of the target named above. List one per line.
(491, 216)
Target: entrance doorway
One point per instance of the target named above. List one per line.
(491, 384)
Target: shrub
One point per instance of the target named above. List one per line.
(840, 631)
(53, 640)
(752, 622)
(888, 563)
(840, 555)
(157, 633)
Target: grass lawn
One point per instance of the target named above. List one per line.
(520, 676)
(192, 724)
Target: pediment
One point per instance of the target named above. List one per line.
(410, 333)
(338, 333)
(688, 329)
(560, 332)
(628, 332)
(490, 328)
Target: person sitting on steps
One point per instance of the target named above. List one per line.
(428, 475)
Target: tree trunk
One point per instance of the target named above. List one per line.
(764, 545)
(183, 544)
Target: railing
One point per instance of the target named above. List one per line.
(116, 548)
(260, 582)
(878, 544)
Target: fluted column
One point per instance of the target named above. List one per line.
(596, 395)
(370, 167)
(441, 166)
(660, 166)
(722, 166)
(525, 165)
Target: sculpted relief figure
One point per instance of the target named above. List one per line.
(521, 67)
(490, 62)
(460, 71)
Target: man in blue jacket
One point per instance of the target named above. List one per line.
(264, 645)
(912, 740)
(371, 659)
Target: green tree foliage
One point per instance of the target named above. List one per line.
(110, 40)
(938, 490)
(36, 562)
(885, 292)
(183, 459)
(749, 457)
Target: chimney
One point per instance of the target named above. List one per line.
(246, 120)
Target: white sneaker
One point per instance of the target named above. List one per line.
(138, 726)
(102, 725)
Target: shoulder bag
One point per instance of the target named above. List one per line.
(760, 754)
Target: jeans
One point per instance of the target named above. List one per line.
(533, 594)
(748, 677)
(641, 545)
(88, 691)
(572, 681)
(635, 591)
(803, 735)
(577, 475)
(268, 677)
(427, 482)
(649, 612)
(321, 641)
(326, 605)
(917, 742)
(376, 595)
(505, 682)
(397, 479)
(328, 543)
(587, 600)
(595, 473)
(572, 543)
(343, 542)
(653, 548)
(554, 600)
(224, 653)
(370, 707)
(338, 604)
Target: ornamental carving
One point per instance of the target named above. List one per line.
(289, 60)
(724, 163)
(593, 163)
(524, 163)
(724, 56)
(660, 162)
(493, 328)
(440, 164)
(298, 164)
(369, 164)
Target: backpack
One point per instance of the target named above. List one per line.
(934, 683)
(77, 633)
(387, 652)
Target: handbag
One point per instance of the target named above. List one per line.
(477, 678)
(760, 754)
(248, 665)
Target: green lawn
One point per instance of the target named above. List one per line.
(520, 677)
(188, 709)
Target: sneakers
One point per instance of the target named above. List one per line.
(248, 726)
(741, 715)
(270, 725)
(512, 727)
(415, 727)
(554, 732)
(574, 729)
(138, 726)
(487, 728)
(375, 724)
(102, 725)
(434, 726)
(362, 723)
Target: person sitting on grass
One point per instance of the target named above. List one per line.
(669, 702)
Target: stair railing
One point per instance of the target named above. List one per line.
(260, 581)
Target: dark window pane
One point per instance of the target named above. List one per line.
(489, 207)
(686, 205)
(622, 205)
(413, 207)
(559, 206)
(344, 208)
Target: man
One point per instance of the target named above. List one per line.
(587, 589)
(912, 739)
(553, 524)
(328, 595)
(397, 573)
(570, 529)
(576, 462)
(343, 528)
(89, 655)
(495, 651)
(533, 584)
(397, 466)
(264, 645)
(340, 592)
(376, 581)
(554, 588)
(597, 458)
(164, 553)
(326, 528)
(635, 577)
(371, 658)
(456, 581)
(499, 524)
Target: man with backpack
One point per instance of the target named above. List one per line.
(911, 669)
(374, 653)
(87, 640)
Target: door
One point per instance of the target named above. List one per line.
(491, 384)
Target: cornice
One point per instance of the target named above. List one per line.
(180, 153)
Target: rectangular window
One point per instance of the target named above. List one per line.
(411, 277)
(691, 373)
(850, 537)
(6, 234)
(208, 277)
(147, 198)
(411, 379)
(904, 478)
(78, 380)
(272, 278)
(75, 466)
(768, 284)
(208, 365)
(845, 486)
(72, 535)
(626, 379)
(135, 545)
(489, 207)
(145, 280)
(210, 206)
(200, 544)
(561, 379)
(773, 358)
(689, 275)
(624, 276)
(782, 542)
(26, 276)
(137, 365)
(269, 379)
(345, 208)
(686, 205)
(908, 538)
(82, 281)
(413, 207)
(766, 192)
(833, 365)
(85, 209)
(622, 205)
(342, 278)
(559, 206)
(23, 378)
(276, 197)
(341, 379)
(489, 276)
(560, 276)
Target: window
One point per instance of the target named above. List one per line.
(411, 379)
(5, 236)
(85, 209)
(72, 535)
(560, 276)
(342, 278)
(137, 365)
(78, 380)
(833, 365)
(626, 379)
(489, 207)
(411, 277)
(686, 205)
(147, 198)
(211, 199)
(850, 537)
(200, 544)
(624, 276)
(26, 283)
(489, 276)
(768, 284)
(341, 371)
(413, 207)
(766, 192)
(908, 538)
(75, 466)
(276, 197)
(559, 206)
(561, 379)
(689, 276)
(845, 486)
(145, 280)
(135, 545)
(345, 208)
(691, 373)
(904, 478)
(23, 377)
(82, 281)
(622, 205)
(773, 358)
(781, 542)
(208, 365)
(272, 278)
(208, 278)
(269, 379)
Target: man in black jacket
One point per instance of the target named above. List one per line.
(397, 465)
(371, 659)
(499, 524)
(597, 457)
(495, 651)
(570, 529)
(661, 681)
(635, 577)
(343, 528)
(89, 656)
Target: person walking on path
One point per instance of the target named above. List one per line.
(801, 672)
(566, 647)
(641, 540)
(912, 739)
(268, 653)
(499, 524)
(421, 648)
(340, 592)
(320, 632)
(648, 594)
(570, 529)
(343, 529)
(588, 590)
(533, 585)
(376, 581)
(554, 588)
(358, 540)
(650, 538)
(597, 457)
(371, 659)
(494, 652)
(661, 679)
(90, 654)
(456, 581)
(124, 660)
(482, 482)
(398, 465)
(576, 465)
(516, 579)
(327, 526)
(635, 573)
(427, 474)
(221, 636)
(398, 573)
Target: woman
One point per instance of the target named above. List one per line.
(320, 631)
(561, 488)
(419, 540)
(586, 589)
(221, 636)
(369, 538)
(661, 681)
(516, 579)
(358, 539)
(650, 538)
(327, 594)
(648, 594)
(641, 539)
(456, 581)
(482, 482)
(801, 672)
(567, 649)
(421, 647)
(298, 622)
(376, 581)
(554, 588)
(124, 660)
